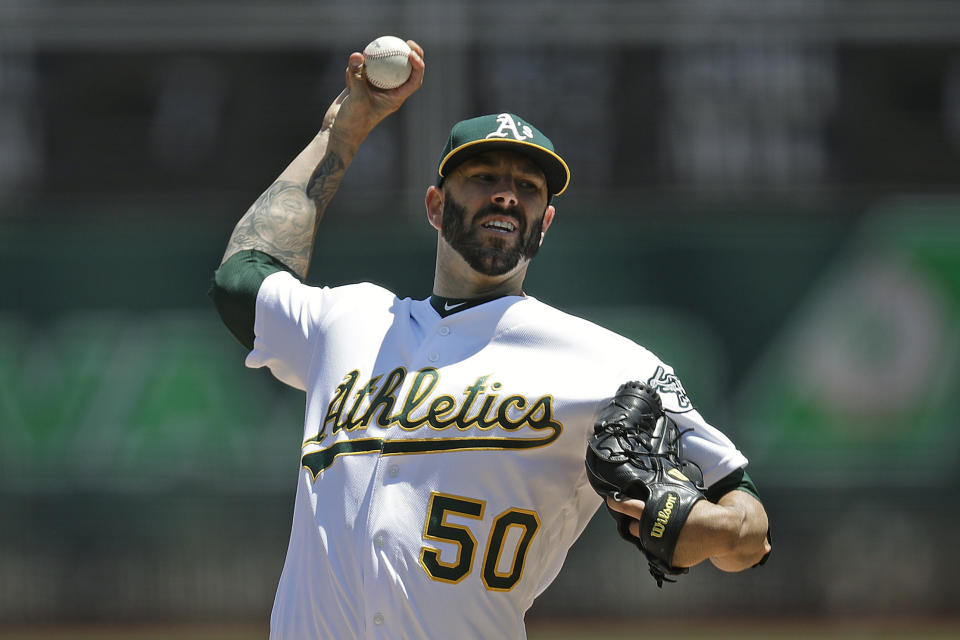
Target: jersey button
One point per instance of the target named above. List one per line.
(444, 331)
(378, 618)
(379, 540)
(433, 357)
(393, 471)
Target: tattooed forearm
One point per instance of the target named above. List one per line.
(325, 181)
(283, 221)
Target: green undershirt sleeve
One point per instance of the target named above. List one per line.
(738, 479)
(234, 290)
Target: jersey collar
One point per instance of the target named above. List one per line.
(449, 306)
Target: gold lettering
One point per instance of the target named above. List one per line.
(477, 409)
(385, 398)
(440, 408)
(463, 423)
(504, 418)
(368, 389)
(416, 397)
(336, 406)
(659, 527)
(484, 419)
(540, 415)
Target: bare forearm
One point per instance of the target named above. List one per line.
(732, 534)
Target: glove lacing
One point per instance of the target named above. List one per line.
(628, 435)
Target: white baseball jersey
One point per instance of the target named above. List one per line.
(442, 477)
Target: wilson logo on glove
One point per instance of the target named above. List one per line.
(635, 452)
(663, 517)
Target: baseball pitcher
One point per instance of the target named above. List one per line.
(455, 447)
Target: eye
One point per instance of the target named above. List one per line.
(530, 185)
(483, 177)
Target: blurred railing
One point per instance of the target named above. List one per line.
(152, 24)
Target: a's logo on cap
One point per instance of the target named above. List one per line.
(510, 127)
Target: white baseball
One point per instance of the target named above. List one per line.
(386, 62)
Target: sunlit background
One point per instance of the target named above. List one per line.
(766, 193)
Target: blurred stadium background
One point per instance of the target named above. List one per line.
(765, 192)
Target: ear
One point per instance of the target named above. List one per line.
(434, 204)
(548, 216)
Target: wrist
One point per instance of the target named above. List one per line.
(346, 140)
(710, 530)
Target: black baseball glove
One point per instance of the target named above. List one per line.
(635, 452)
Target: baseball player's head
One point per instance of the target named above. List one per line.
(491, 202)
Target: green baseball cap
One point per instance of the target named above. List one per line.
(507, 132)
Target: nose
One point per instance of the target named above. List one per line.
(505, 195)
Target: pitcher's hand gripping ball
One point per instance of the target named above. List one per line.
(387, 63)
(635, 452)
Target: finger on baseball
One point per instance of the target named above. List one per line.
(417, 49)
(354, 67)
(412, 83)
(417, 66)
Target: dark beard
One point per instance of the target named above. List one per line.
(492, 258)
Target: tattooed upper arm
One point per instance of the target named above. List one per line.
(283, 220)
(279, 223)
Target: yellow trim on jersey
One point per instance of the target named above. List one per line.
(519, 552)
(438, 524)
(317, 461)
(483, 406)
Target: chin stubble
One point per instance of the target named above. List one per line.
(492, 259)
